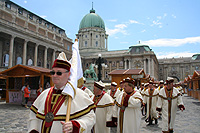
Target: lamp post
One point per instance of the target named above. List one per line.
(99, 62)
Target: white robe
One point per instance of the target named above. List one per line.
(116, 93)
(88, 91)
(164, 105)
(81, 111)
(103, 113)
(151, 106)
(132, 113)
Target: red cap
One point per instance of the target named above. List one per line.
(62, 64)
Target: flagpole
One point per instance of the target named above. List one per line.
(68, 108)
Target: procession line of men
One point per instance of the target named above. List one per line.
(97, 112)
(162, 101)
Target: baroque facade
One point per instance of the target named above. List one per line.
(179, 68)
(93, 41)
(92, 37)
(26, 38)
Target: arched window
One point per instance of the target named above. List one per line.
(85, 43)
(39, 63)
(19, 60)
(30, 62)
(87, 65)
(6, 60)
(106, 74)
(121, 63)
(96, 43)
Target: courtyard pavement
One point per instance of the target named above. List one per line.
(14, 117)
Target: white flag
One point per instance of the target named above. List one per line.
(76, 72)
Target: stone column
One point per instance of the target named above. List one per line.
(117, 64)
(125, 65)
(36, 55)
(1, 51)
(53, 56)
(80, 40)
(149, 66)
(110, 66)
(24, 52)
(45, 57)
(11, 51)
(152, 62)
(106, 43)
(145, 65)
(129, 61)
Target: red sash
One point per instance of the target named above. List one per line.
(83, 88)
(55, 108)
(112, 94)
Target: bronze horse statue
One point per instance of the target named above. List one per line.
(90, 73)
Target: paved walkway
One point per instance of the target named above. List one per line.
(13, 118)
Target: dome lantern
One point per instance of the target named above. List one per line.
(92, 20)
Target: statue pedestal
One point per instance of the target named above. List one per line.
(90, 84)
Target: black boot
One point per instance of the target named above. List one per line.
(150, 121)
(156, 121)
(171, 131)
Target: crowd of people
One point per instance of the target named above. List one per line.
(119, 109)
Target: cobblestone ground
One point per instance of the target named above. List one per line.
(13, 119)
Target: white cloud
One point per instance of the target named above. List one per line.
(156, 22)
(113, 20)
(25, 1)
(133, 22)
(111, 32)
(159, 17)
(172, 42)
(165, 14)
(120, 28)
(143, 31)
(162, 55)
(43, 16)
(173, 16)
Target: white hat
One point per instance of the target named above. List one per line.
(114, 84)
(170, 79)
(99, 85)
(62, 62)
(161, 81)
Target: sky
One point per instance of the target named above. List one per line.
(171, 28)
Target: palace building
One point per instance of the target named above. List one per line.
(28, 39)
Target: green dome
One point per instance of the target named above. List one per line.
(92, 20)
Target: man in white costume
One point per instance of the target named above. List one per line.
(161, 84)
(150, 99)
(85, 89)
(168, 101)
(180, 88)
(121, 88)
(48, 112)
(144, 107)
(113, 92)
(104, 107)
(127, 111)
